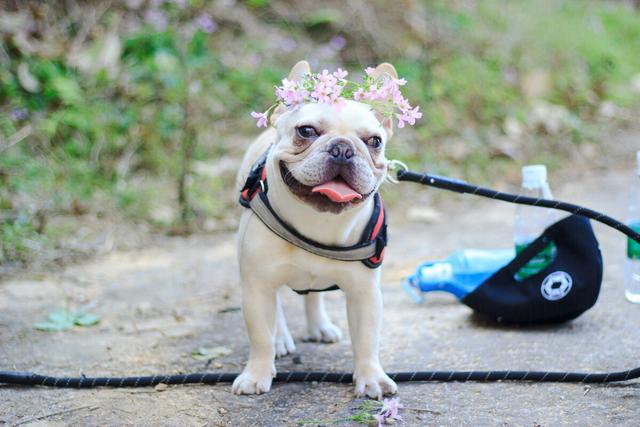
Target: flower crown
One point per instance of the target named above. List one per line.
(382, 93)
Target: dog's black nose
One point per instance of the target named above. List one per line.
(341, 151)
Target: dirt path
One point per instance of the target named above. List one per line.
(159, 304)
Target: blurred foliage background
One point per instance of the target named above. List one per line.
(137, 111)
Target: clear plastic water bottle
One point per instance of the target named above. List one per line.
(459, 274)
(531, 221)
(632, 264)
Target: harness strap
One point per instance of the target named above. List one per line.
(359, 252)
(370, 250)
(306, 291)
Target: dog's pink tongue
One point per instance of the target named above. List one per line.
(337, 191)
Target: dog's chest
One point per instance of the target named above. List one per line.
(278, 262)
(305, 271)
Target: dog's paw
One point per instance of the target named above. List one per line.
(284, 344)
(253, 381)
(325, 332)
(373, 382)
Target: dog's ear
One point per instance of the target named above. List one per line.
(380, 71)
(299, 70)
(384, 68)
(296, 74)
(387, 124)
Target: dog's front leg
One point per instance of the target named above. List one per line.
(364, 311)
(259, 310)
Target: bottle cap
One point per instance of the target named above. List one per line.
(534, 176)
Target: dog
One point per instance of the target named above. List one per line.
(323, 168)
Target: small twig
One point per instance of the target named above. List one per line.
(152, 391)
(408, 408)
(122, 410)
(20, 135)
(189, 414)
(53, 414)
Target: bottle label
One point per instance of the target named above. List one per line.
(440, 272)
(633, 247)
(542, 260)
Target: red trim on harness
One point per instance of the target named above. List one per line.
(378, 225)
(377, 259)
(245, 193)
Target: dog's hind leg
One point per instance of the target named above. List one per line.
(319, 326)
(284, 340)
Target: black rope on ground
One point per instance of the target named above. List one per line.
(32, 379)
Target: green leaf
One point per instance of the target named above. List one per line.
(323, 17)
(62, 320)
(52, 326)
(61, 317)
(59, 320)
(86, 319)
(257, 3)
(67, 90)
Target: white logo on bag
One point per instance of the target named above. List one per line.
(556, 285)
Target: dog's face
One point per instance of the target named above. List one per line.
(331, 159)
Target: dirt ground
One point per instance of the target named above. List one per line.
(160, 303)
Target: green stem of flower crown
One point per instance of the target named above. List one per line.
(270, 110)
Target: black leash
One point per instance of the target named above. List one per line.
(33, 379)
(459, 186)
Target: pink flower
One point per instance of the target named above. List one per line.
(383, 94)
(340, 74)
(339, 103)
(321, 92)
(390, 408)
(262, 119)
(291, 93)
(337, 42)
(409, 116)
(206, 23)
(157, 18)
(401, 102)
(326, 77)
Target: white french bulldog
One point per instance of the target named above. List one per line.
(323, 170)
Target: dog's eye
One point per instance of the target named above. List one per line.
(374, 142)
(307, 132)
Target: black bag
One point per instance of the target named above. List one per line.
(562, 291)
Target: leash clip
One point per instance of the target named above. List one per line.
(393, 165)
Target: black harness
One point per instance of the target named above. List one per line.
(369, 250)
